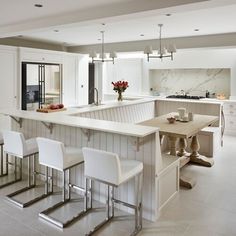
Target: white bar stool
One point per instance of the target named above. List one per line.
(16, 145)
(55, 155)
(2, 157)
(108, 168)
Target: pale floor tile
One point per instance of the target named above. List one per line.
(208, 209)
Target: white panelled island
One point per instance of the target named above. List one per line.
(112, 126)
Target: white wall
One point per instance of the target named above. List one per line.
(8, 82)
(197, 58)
(129, 69)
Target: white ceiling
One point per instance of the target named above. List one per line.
(215, 18)
(15, 11)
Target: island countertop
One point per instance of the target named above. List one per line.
(61, 118)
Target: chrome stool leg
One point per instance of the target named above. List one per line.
(66, 197)
(15, 173)
(11, 196)
(108, 216)
(2, 163)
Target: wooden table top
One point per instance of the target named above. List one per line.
(180, 129)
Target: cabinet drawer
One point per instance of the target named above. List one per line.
(230, 106)
(230, 122)
(230, 112)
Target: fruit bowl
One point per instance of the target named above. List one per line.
(171, 120)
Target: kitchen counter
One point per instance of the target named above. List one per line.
(128, 140)
(66, 118)
(108, 104)
(202, 101)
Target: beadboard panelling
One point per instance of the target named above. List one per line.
(127, 114)
(120, 144)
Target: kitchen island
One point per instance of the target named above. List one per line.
(113, 127)
(128, 140)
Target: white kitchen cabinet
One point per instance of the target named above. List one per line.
(230, 117)
(69, 81)
(39, 55)
(8, 93)
(82, 86)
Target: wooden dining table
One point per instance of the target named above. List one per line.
(182, 131)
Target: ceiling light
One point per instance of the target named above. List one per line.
(162, 51)
(38, 5)
(103, 57)
(56, 31)
(168, 14)
(196, 30)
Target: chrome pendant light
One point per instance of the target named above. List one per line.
(103, 57)
(162, 51)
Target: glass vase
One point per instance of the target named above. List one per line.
(120, 97)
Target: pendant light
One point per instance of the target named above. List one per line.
(103, 57)
(162, 51)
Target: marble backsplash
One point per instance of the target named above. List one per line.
(193, 81)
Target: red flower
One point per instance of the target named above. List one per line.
(120, 86)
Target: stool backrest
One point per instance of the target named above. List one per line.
(51, 153)
(102, 165)
(14, 143)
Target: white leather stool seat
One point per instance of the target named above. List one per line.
(73, 156)
(16, 145)
(1, 139)
(31, 147)
(108, 167)
(129, 168)
(55, 155)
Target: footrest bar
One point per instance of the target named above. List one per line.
(77, 187)
(124, 203)
(97, 227)
(9, 183)
(10, 198)
(45, 216)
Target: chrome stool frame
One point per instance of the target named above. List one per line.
(16, 146)
(66, 198)
(111, 200)
(2, 163)
(10, 197)
(53, 154)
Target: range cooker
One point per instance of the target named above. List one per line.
(185, 97)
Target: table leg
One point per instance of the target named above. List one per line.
(184, 181)
(187, 182)
(172, 140)
(161, 138)
(182, 147)
(195, 157)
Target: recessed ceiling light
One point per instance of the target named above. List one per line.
(141, 35)
(38, 5)
(56, 31)
(168, 14)
(196, 30)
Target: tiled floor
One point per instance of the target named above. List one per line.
(208, 209)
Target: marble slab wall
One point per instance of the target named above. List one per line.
(194, 81)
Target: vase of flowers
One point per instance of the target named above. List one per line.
(120, 87)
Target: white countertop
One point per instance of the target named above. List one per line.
(62, 118)
(203, 100)
(107, 105)
(69, 117)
